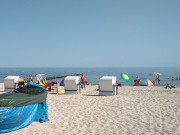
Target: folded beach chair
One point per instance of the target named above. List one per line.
(72, 84)
(107, 86)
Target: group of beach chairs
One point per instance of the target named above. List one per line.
(107, 85)
(72, 84)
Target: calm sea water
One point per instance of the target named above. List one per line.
(94, 74)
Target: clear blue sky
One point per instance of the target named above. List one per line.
(90, 33)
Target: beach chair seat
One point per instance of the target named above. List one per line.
(107, 86)
(71, 84)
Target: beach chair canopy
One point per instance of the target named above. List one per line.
(106, 83)
(10, 81)
(32, 94)
(71, 82)
(143, 82)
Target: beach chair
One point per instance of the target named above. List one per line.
(11, 83)
(72, 84)
(40, 78)
(107, 86)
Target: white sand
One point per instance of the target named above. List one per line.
(135, 110)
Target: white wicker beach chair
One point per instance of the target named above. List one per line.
(107, 86)
(11, 83)
(71, 84)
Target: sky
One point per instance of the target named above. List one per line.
(89, 33)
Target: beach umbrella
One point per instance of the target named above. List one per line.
(154, 73)
(125, 77)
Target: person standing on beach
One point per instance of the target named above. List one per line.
(117, 87)
(30, 78)
(158, 79)
(83, 80)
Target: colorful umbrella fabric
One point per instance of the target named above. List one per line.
(154, 73)
(125, 77)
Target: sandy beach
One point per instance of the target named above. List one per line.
(135, 110)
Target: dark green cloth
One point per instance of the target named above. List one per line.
(23, 96)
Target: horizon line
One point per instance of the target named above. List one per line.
(101, 67)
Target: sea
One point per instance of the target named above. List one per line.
(93, 75)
